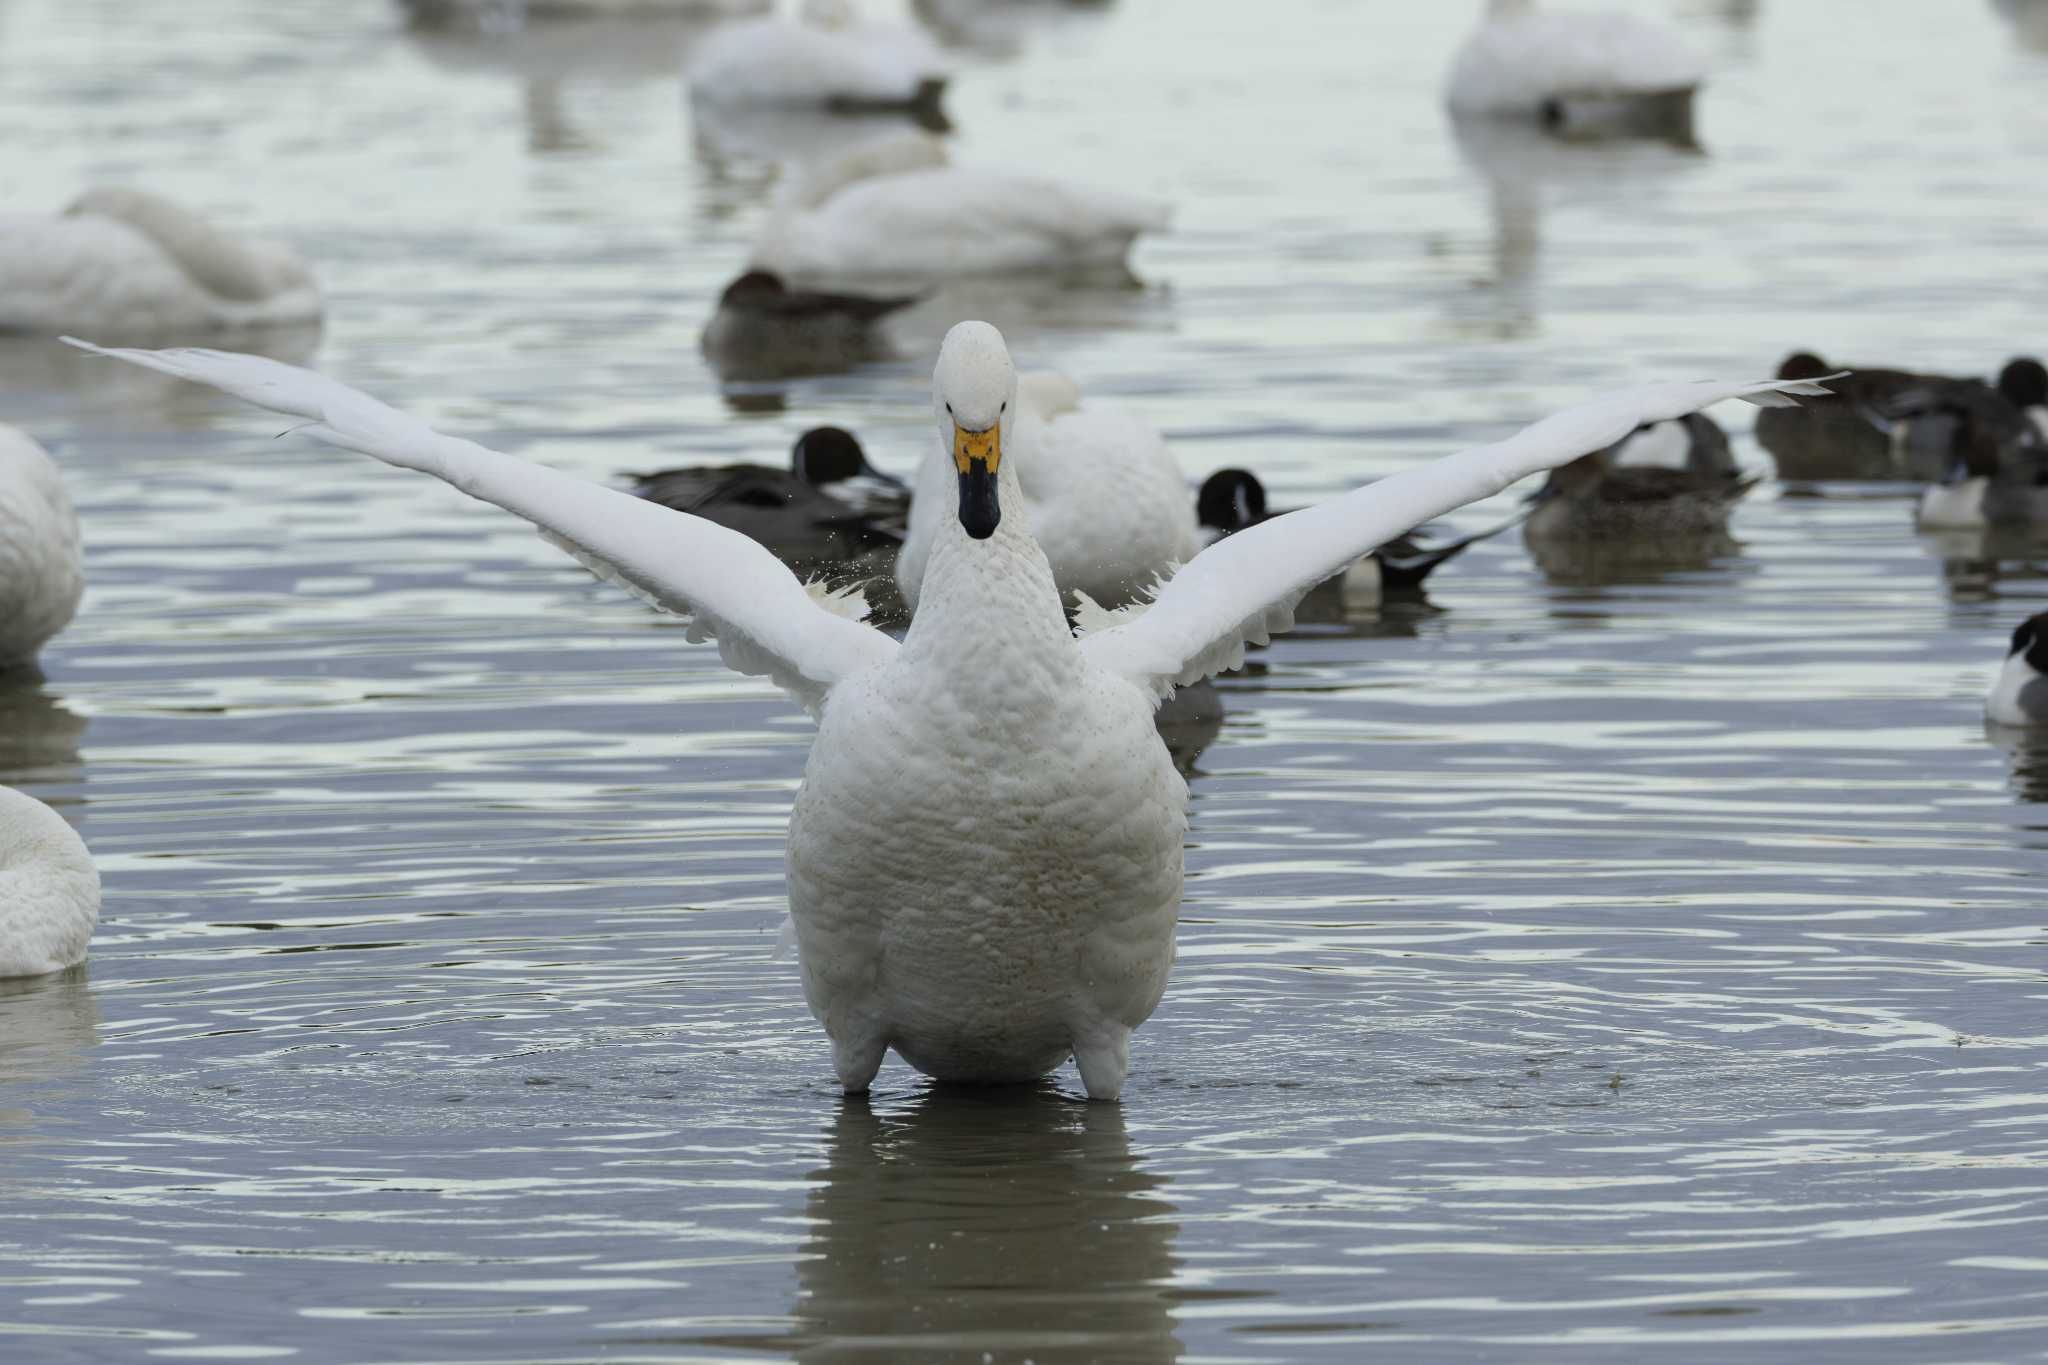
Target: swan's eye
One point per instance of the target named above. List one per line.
(949, 409)
(1004, 408)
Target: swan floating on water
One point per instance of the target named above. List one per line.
(897, 209)
(41, 573)
(985, 854)
(1109, 504)
(49, 889)
(125, 262)
(825, 58)
(1577, 72)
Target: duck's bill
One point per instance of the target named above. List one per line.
(976, 457)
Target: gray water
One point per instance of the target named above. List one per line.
(1582, 965)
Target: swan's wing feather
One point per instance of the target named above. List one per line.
(1244, 588)
(730, 588)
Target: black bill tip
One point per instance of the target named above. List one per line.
(979, 512)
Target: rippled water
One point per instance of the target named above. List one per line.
(1581, 966)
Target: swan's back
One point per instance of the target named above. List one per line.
(49, 889)
(41, 574)
(1521, 56)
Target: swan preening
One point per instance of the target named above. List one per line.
(41, 574)
(49, 889)
(1580, 72)
(825, 58)
(897, 209)
(124, 262)
(985, 853)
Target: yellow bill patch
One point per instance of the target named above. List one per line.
(977, 445)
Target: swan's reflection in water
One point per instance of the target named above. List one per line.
(999, 1224)
(49, 1026)
(38, 732)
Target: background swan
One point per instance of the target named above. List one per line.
(1109, 505)
(898, 209)
(41, 573)
(129, 263)
(1587, 71)
(49, 889)
(827, 57)
(985, 853)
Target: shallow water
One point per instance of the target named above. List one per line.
(1585, 965)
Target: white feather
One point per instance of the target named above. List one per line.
(49, 889)
(41, 572)
(1520, 56)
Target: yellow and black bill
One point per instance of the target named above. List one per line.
(976, 457)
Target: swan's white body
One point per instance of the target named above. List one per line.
(129, 263)
(985, 854)
(896, 210)
(1521, 57)
(49, 889)
(41, 574)
(825, 58)
(1109, 504)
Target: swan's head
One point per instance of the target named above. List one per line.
(974, 398)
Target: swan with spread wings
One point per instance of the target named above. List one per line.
(985, 853)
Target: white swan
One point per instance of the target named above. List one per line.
(49, 889)
(130, 263)
(896, 209)
(1109, 505)
(985, 853)
(41, 575)
(825, 58)
(1589, 71)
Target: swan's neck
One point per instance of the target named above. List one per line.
(220, 264)
(989, 620)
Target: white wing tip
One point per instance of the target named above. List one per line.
(1785, 393)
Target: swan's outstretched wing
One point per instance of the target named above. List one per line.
(1244, 588)
(764, 620)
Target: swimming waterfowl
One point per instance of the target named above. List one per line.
(129, 263)
(826, 58)
(2019, 695)
(1232, 499)
(1668, 480)
(49, 889)
(1109, 505)
(829, 506)
(985, 853)
(1577, 72)
(41, 573)
(763, 329)
(1891, 424)
(892, 210)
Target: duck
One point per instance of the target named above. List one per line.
(1670, 480)
(1892, 424)
(1997, 473)
(126, 262)
(1232, 499)
(763, 329)
(42, 573)
(829, 506)
(985, 853)
(1579, 73)
(2019, 695)
(897, 209)
(49, 889)
(826, 58)
(1108, 502)
(496, 17)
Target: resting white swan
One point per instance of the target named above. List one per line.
(895, 209)
(1109, 505)
(824, 58)
(49, 889)
(130, 263)
(1576, 70)
(985, 853)
(41, 575)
